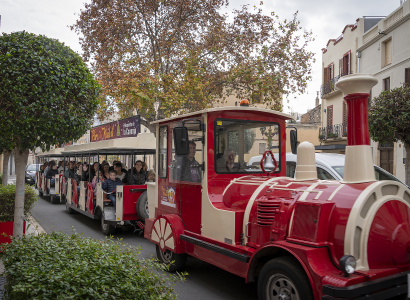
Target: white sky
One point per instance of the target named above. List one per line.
(325, 18)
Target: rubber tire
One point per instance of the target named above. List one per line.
(142, 207)
(289, 270)
(54, 199)
(174, 261)
(107, 229)
(69, 209)
(40, 193)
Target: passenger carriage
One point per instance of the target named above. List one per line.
(42, 184)
(300, 238)
(131, 204)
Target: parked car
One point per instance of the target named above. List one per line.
(30, 179)
(33, 168)
(31, 173)
(330, 166)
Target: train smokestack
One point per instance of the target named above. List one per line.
(359, 159)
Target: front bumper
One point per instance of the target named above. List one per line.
(382, 288)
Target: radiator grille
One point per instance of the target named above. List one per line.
(267, 211)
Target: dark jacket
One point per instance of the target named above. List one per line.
(188, 170)
(85, 175)
(109, 185)
(51, 173)
(69, 173)
(134, 177)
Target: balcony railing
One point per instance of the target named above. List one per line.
(329, 87)
(337, 131)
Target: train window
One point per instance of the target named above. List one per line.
(237, 145)
(163, 152)
(189, 168)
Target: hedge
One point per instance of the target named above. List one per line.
(7, 199)
(60, 266)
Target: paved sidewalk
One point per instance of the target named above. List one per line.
(32, 227)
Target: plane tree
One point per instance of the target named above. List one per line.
(389, 120)
(167, 57)
(47, 96)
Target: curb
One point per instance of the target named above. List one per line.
(33, 227)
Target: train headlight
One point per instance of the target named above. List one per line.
(347, 264)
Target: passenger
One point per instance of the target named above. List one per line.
(60, 166)
(189, 167)
(45, 168)
(95, 169)
(230, 164)
(120, 174)
(151, 176)
(79, 171)
(112, 166)
(106, 170)
(41, 169)
(136, 175)
(110, 186)
(85, 174)
(70, 172)
(52, 172)
(96, 179)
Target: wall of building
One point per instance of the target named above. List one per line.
(335, 50)
(395, 27)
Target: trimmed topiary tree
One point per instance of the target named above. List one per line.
(389, 120)
(47, 97)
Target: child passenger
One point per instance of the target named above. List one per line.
(110, 186)
(151, 176)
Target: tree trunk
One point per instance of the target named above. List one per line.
(6, 157)
(407, 165)
(21, 162)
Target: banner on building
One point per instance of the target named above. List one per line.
(129, 127)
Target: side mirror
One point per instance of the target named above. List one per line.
(181, 141)
(294, 141)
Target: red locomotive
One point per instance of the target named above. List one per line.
(300, 238)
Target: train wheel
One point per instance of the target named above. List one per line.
(69, 209)
(142, 207)
(107, 229)
(174, 261)
(282, 278)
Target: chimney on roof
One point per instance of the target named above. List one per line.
(359, 161)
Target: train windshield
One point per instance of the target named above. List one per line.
(240, 144)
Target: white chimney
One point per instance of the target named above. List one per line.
(359, 162)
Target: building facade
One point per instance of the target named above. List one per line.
(373, 45)
(384, 52)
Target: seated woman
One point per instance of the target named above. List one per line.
(52, 171)
(136, 175)
(96, 179)
(106, 170)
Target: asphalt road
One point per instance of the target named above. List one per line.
(204, 281)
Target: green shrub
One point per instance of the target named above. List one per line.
(60, 266)
(7, 197)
